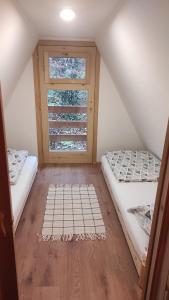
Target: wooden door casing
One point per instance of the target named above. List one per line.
(42, 81)
(8, 275)
(157, 266)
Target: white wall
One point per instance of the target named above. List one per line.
(17, 40)
(135, 46)
(20, 117)
(115, 129)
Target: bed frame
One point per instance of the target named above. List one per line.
(16, 223)
(139, 264)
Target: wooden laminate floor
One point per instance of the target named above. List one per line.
(83, 270)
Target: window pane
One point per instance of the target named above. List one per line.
(67, 117)
(68, 146)
(67, 67)
(68, 131)
(67, 97)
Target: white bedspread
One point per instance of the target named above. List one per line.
(128, 195)
(21, 189)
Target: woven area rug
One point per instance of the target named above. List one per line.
(72, 213)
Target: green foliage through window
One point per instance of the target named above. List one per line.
(68, 131)
(67, 67)
(67, 97)
(68, 146)
(67, 117)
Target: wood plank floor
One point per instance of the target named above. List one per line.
(84, 270)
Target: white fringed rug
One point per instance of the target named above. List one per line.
(72, 213)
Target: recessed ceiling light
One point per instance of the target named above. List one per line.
(67, 14)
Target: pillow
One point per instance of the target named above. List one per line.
(16, 160)
(134, 166)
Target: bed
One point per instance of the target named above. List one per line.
(124, 196)
(20, 191)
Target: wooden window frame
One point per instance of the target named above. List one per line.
(50, 47)
(85, 55)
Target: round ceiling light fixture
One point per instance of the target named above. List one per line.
(67, 15)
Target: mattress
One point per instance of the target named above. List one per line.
(20, 191)
(127, 195)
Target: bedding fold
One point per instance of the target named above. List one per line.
(144, 216)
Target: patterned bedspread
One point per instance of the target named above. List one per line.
(133, 166)
(16, 160)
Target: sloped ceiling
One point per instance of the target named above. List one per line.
(17, 40)
(23, 22)
(134, 44)
(90, 16)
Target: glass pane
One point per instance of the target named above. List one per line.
(67, 117)
(67, 97)
(68, 131)
(68, 146)
(67, 67)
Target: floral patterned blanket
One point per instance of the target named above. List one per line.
(133, 166)
(16, 160)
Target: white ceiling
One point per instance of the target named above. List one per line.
(90, 16)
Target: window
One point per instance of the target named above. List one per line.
(67, 67)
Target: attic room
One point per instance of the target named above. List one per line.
(84, 149)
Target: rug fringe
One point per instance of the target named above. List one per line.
(72, 237)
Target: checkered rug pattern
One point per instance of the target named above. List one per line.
(72, 213)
